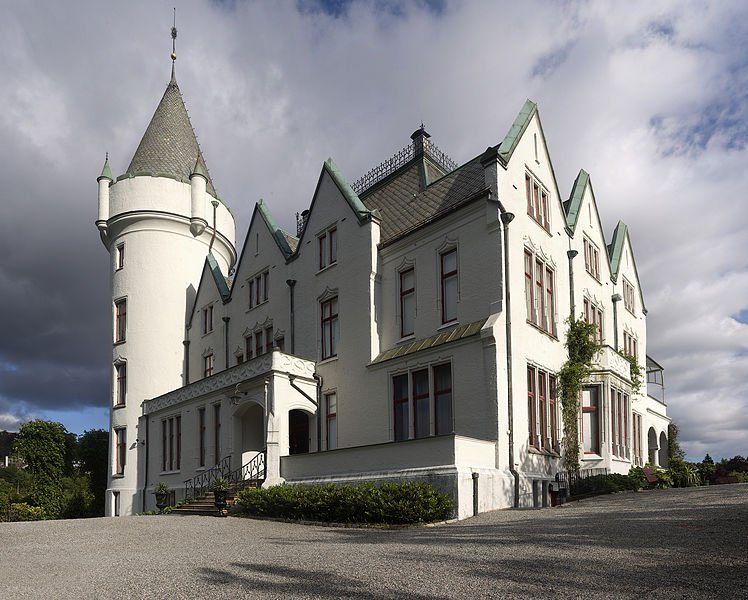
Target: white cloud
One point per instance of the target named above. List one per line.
(650, 98)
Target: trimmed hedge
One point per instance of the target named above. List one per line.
(20, 511)
(387, 502)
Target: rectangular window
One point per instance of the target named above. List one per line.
(120, 256)
(258, 288)
(328, 248)
(537, 202)
(331, 409)
(329, 328)
(407, 302)
(629, 344)
(449, 285)
(208, 363)
(217, 432)
(591, 420)
(421, 397)
(400, 406)
(171, 443)
(201, 436)
(164, 442)
(248, 347)
(552, 408)
(628, 296)
(594, 314)
(258, 343)
(443, 399)
(543, 408)
(120, 322)
(208, 319)
(591, 259)
(415, 395)
(268, 339)
(121, 391)
(540, 293)
(170, 454)
(531, 406)
(120, 436)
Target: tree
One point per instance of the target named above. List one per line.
(674, 451)
(93, 449)
(707, 470)
(582, 347)
(42, 445)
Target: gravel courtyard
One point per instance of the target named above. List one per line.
(685, 543)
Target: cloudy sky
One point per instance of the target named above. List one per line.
(651, 98)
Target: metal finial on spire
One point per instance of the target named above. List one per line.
(107, 156)
(174, 38)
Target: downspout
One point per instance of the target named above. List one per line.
(291, 283)
(616, 298)
(213, 237)
(506, 218)
(226, 339)
(318, 379)
(145, 479)
(186, 361)
(571, 254)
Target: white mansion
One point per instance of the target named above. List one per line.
(412, 328)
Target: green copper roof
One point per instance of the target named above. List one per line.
(169, 145)
(106, 171)
(351, 197)
(615, 248)
(200, 168)
(451, 335)
(509, 143)
(218, 277)
(278, 234)
(574, 204)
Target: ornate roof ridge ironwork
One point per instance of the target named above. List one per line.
(402, 157)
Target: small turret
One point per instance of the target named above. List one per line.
(198, 182)
(104, 180)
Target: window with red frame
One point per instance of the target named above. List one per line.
(629, 300)
(120, 394)
(407, 302)
(421, 397)
(208, 365)
(537, 202)
(531, 407)
(328, 247)
(448, 261)
(331, 420)
(591, 258)
(630, 345)
(120, 436)
(594, 314)
(120, 320)
(540, 293)
(591, 420)
(329, 328)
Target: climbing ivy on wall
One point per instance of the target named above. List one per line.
(637, 372)
(582, 347)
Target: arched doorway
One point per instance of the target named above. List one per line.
(298, 432)
(652, 446)
(663, 451)
(252, 423)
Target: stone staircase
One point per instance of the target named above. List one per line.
(205, 505)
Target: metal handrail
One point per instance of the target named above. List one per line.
(253, 472)
(202, 483)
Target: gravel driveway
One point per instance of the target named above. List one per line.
(686, 543)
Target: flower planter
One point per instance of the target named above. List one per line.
(162, 501)
(220, 499)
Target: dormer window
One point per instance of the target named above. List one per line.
(328, 247)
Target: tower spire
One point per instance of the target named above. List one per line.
(174, 38)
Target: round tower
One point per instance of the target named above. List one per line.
(156, 220)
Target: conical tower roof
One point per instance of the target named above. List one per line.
(169, 145)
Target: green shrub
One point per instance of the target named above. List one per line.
(604, 484)
(20, 511)
(392, 503)
(741, 477)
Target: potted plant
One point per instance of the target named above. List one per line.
(220, 495)
(162, 492)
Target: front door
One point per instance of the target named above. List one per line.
(298, 432)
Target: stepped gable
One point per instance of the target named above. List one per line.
(169, 145)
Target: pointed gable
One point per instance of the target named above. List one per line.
(210, 276)
(573, 206)
(618, 245)
(511, 139)
(169, 145)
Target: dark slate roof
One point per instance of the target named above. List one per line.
(451, 335)
(169, 145)
(403, 206)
